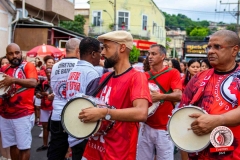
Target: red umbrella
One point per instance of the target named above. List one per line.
(44, 50)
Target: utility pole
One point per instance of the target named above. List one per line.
(235, 14)
(115, 15)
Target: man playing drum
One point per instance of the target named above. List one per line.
(128, 92)
(219, 96)
(18, 116)
(153, 134)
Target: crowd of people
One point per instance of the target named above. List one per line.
(36, 92)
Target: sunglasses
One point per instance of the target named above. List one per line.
(216, 47)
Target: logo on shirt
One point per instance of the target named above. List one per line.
(221, 136)
(230, 88)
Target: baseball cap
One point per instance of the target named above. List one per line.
(121, 37)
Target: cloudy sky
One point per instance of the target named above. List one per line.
(194, 9)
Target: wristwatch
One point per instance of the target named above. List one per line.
(108, 116)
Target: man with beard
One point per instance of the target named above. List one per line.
(17, 116)
(128, 92)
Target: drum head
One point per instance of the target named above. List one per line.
(2, 92)
(185, 139)
(72, 124)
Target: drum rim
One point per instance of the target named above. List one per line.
(189, 151)
(62, 119)
(4, 92)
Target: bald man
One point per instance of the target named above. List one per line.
(59, 138)
(220, 98)
(17, 116)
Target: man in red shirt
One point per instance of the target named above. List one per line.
(153, 134)
(219, 96)
(128, 92)
(18, 111)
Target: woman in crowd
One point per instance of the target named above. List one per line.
(193, 67)
(4, 63)
(5, 152)
(42, 92)
(183, 66)
(146, 66)
(173, 63)
(165, 63)
(205, 64)
(48, 63)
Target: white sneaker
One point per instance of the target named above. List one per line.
(41, 134)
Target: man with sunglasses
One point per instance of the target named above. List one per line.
(217, 91)
(17, 114)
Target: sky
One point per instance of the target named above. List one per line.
(194, 9)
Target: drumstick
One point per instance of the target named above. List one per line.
(189, 129)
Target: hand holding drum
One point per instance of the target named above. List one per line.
(75, 124)
(5, 82)
(182, 126)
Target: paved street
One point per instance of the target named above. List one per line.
(37, 142)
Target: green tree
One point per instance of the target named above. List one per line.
(134, 54)
(231, 27)
(199, 33)
(76, 25)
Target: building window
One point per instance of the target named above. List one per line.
(96, 18)
(144, 23)
(154, 28)
(123, 20)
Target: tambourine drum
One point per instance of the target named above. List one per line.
(77, 129)
(179, 130)
(2, 92)
(152, 109)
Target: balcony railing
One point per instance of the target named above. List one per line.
(139, 34)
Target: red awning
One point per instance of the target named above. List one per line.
(142, 44)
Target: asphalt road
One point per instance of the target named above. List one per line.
(37, 142)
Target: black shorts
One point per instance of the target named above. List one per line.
(58, 145)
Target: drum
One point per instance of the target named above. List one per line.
(2, 92)
(182, 136)
(77, 129)
(154, 107)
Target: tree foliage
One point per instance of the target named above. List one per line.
(77, 25)
(231, 27)
(183, 22)
(134, 54)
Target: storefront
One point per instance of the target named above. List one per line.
(143, 45)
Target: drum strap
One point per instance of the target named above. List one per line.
(95, 92)
(153, 77)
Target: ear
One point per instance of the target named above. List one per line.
(122, 47)
(235, 51)
(163, 56)
(93, 54)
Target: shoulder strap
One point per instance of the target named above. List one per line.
(155, 76)
(102, 84)
(160, 87)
